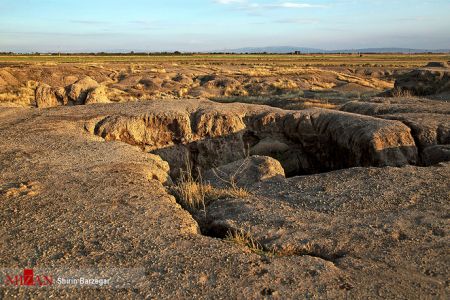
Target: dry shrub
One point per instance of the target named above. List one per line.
(22, 96)
(308, 104)
(256, 72)
(401, 93)
(284, 84)
(190, 192)
(132, 69)
(245, 239)
(194, 195)
(158, 70)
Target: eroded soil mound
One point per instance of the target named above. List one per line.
(429, 121)
(425, 82)
(97, 198)
(437, 64)
(308, 141)
(77, 84)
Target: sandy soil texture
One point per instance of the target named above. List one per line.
(337, 187)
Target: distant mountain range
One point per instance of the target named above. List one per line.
(291, 49)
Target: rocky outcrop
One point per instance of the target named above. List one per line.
(73, 201)
(429, 120)
(437, 64)
(84, 91)
(244, 172)
(150, 131)
(427, 129)
(435, 154)
(318, 140)
(348, 218)
(308, 141)
(275, 85)
(383, 106)
(97, 95)
(207, 138)
(422, 82)
(329, 140)
(45, 96)
(104, 94)
(79, 91)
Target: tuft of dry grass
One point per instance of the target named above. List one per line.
(236, 192)
(284, 84)
(245, 239)
(158, 70)
(401, 93)
(189, 190)
(288, 250)
(309, 104)
(194, 195)
(190, 193)
(256, 72)
(22, 96)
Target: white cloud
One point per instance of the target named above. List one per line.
(298, 21)
(245, 4)
(296, 5)
(229, 1)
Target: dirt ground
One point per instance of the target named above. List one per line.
(259, 178)
(296, 82)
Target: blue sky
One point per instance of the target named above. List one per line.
(197, 25)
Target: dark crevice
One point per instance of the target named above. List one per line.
(325, 255)
(315, 150)
(311, 148)
(218, 231)
(418, 143)
(221, 231)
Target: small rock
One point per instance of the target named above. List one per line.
(245, 172)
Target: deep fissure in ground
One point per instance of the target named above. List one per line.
(304, 142)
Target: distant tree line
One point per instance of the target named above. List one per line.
(132, 53)
(178, 53)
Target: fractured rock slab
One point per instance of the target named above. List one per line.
(72, 199)
(361, 220)
(244, 172)
(429, 120)
(212, 134)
